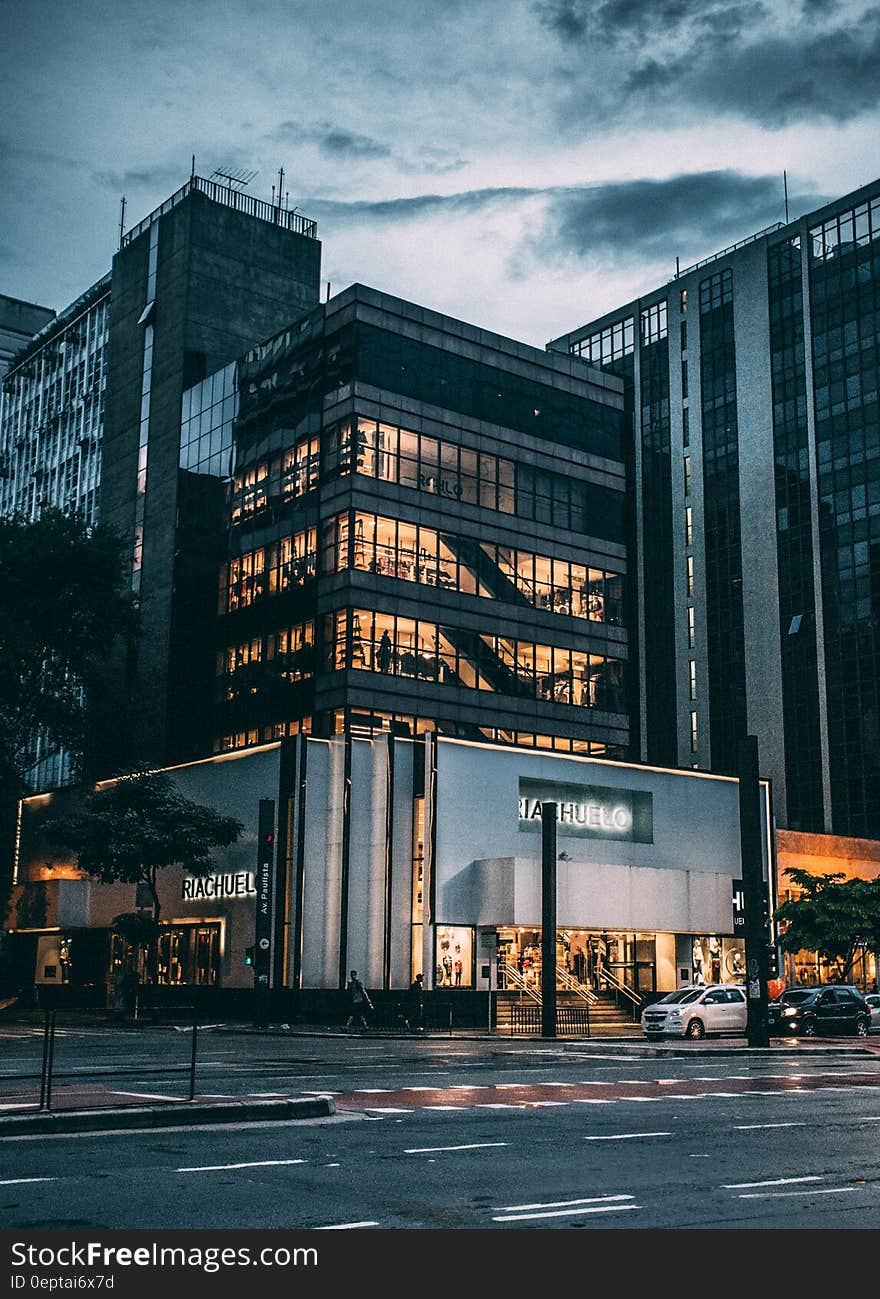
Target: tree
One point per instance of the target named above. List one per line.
(62, 604)
(134, 827)
(833, 916)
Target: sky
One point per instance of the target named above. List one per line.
(524, 165)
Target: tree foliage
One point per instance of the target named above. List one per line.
(832, 915)
(136, 826)
(62, 604)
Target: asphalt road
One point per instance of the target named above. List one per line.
(457, 1135)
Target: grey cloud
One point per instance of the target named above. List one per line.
(334, 141)
(614, 22)
(777, 81)
(646, 220)
(687, 215)
(394, 209)
(718, 56)
(164, 177)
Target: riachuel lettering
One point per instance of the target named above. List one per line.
(239, 885)
(598, 816)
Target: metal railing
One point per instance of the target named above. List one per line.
(571, 984)
(229, 197)
(741, 243)
(525, 1017)
(617, 986)
(513, 979)
(77, 1077)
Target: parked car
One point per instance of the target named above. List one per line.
(819, 1011)
(873, 1003)
(696, 1010)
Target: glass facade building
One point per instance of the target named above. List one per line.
(768, 593)
(425, 528)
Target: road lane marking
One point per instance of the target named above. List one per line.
(19, 1181)
(146, 1096)
(474, 1145)
(346, 1226)
(785, 1195)
(565, 1204)
(771, 1181)
(386, 1109)
(629, 1136)
(567, 1213)
(444, 1107)
(258, 1163)
(752, 1127)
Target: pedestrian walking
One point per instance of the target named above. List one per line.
(417, 1005)
(358, 1001)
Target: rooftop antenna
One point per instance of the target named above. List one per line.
(785, 187)
(280, 184)
(239, 178)
(121, 219)
(193, 172)
(676, 268)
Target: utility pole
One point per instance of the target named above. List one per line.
(548, 919)
(756, 935)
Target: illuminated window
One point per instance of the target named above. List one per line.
(690, 575)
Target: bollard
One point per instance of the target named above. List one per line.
(192, 1065)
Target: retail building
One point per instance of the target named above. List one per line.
(397, 857)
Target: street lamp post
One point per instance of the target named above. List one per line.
(548, 919)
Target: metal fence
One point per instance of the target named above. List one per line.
(571, 1021)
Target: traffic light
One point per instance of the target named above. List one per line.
(772, 961)
(249, 955)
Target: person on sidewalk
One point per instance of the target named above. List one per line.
(415, 1019)
(358, 1000)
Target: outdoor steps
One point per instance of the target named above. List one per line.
(604, 1011)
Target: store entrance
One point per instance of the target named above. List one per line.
(586, 960)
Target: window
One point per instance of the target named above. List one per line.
(687, 475)
(690, 575)
(413, 553)
(692, 632)
(685, 426)
(694, 744)
(684, 379)
(688, 525)
(380, 642)
(692, 675)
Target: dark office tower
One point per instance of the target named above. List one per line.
(200, 280)
(610, 345)
(772, 579)
(427, 532)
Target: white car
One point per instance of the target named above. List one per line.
(873, 1000)
(697, 1010)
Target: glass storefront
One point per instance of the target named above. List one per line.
(454, 957)
(600, 961)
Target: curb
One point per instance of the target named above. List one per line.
(722, 1052)
(185, 1114)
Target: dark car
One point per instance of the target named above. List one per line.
(818, 1012)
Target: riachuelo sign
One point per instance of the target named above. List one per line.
(588, 811)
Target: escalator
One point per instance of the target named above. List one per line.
(488, 574)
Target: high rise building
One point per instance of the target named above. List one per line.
(91, 414)
(416, 524)
(752, 380)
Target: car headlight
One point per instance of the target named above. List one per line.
(673, 1014)
(786, 1014)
